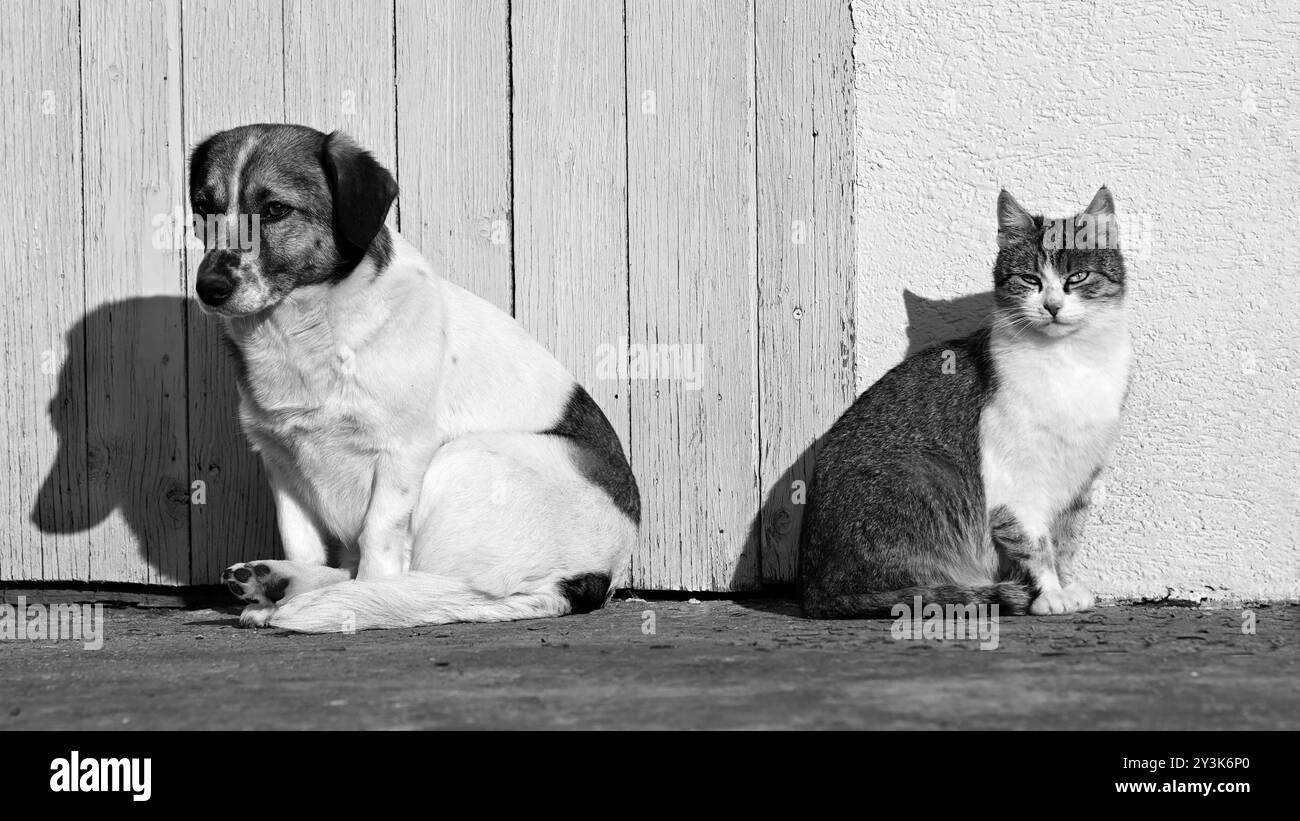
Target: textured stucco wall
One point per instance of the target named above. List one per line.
(1190, 112)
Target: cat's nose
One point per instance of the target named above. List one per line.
(1052, 308)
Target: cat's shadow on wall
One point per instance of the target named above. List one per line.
(929, 321)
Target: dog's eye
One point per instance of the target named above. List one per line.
(275, 210)
(1030, 280)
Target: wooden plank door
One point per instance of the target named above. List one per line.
(693, 273)
(453, 137)
(43, 433)
(805, 253)
(659, 190)
(137, 435)
(570, 191)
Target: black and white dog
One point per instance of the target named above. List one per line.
(463, 472)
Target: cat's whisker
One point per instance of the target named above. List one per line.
(1013, 321)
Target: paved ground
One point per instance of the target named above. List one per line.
(716, 664)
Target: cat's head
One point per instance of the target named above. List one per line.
(1057, 276)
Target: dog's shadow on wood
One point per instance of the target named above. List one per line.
(771, 548)
(145, 404)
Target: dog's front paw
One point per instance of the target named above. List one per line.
(255, 583)
(1071, 599)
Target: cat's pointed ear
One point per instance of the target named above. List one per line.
(1102, 204)
(1014, 222)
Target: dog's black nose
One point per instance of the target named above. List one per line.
(214, 290)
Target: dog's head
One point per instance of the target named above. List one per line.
(283, 206)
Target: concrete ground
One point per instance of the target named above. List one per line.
(716, 664)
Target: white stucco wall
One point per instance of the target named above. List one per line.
(1190, 112)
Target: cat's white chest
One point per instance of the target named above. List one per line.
(1051, 424)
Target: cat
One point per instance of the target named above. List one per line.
(964, 474)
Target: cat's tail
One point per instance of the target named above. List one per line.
(1012, 598)
(423, 598)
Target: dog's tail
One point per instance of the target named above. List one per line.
(423, 598)
(1012, 598)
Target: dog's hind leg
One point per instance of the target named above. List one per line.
(263, 585)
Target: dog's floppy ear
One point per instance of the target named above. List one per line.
(363, 191)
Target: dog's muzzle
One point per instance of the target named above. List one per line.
(216, 279)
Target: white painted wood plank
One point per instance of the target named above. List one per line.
(691, 203)
(805, 252)
(338, 71)
(43, 440)
(135, 348)
(234, 70)
(570, 190)
(453, 137)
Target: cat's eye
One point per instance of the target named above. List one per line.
(274, 211)
(1031, 280)
(1077, 277)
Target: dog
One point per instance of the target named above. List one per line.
(450, 464)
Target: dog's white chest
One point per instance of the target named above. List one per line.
(1051, 425)
(311, 415)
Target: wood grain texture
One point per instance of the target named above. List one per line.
(43, 431)
(234, 75)
(691, 208)
(805, 246)
(338, 71)
(570, 190)
(657, 172)
(453, 136)
(135, 328)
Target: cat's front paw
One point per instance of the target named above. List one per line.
(1071, 599)
(1080, 597)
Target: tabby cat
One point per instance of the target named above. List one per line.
(963, 475)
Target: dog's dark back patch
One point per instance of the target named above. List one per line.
(586, 592)
(597, 452)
